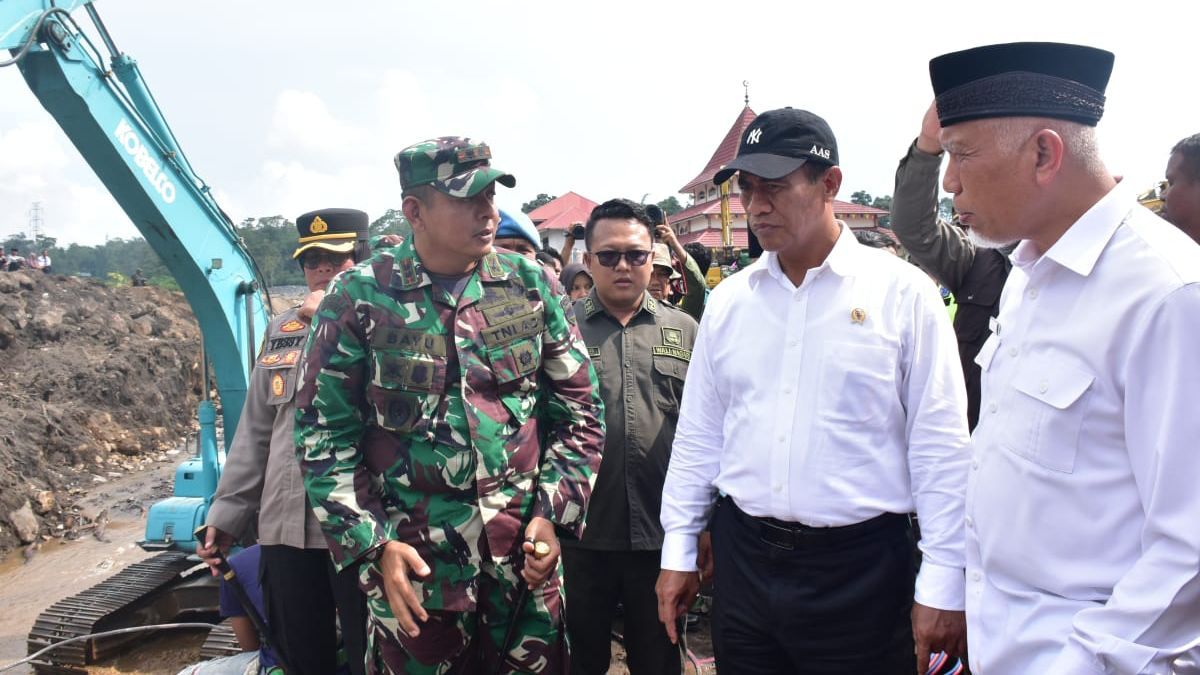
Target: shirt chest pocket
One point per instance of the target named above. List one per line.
(282, 385)
(858, 382)
(1048, 403)
(406, 389)
(515, 367)
(667, 377)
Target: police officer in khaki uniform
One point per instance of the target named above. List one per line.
(262, 476)
(640, 348)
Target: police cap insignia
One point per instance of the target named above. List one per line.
(318, 226)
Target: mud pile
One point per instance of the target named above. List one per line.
(95, 382)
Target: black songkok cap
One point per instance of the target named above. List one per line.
(1021, 79)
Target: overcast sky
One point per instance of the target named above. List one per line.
(284, 107)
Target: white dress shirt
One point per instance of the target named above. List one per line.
(1083, 511)
(826, 404)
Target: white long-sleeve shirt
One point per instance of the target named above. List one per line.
(826, 404)
(1083, 505)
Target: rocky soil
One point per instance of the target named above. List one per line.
(95, 383)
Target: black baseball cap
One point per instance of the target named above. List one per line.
(780, 141)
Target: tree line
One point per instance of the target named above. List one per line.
(270, 241)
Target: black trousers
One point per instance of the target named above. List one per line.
(837, 601)
(595, 581)
(303, 596)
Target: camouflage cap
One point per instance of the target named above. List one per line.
(451, 164)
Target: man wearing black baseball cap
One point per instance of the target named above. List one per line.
(821, 451)
(1083, 553)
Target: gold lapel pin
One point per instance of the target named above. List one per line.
(858, 315)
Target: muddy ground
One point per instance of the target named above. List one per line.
(95, 383)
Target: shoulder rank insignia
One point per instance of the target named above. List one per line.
(589, 307)
(292, 326)
(672, 337)
(277, 385)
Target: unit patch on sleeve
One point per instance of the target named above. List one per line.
(277, 384)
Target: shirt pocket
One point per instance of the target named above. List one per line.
(858, 383)
(281, 388)
(1047, 408)
(515, 367)
(407, 389)
(668, 376)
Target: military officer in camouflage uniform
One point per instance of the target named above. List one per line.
(261, 477)
(448, 417)
(641, 348)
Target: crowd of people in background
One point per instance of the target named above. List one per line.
(11, 260)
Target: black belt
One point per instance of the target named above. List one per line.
(792, 536)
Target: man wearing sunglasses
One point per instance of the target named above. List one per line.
(825, 403)
(261, 476)
(640, 347)
(448, 422)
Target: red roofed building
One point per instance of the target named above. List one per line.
(553, 218)
(702, 220)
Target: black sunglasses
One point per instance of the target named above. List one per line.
(312, 259)
(613, 258)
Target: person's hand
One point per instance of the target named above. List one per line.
(390, 240)
(215, 541)
(937, 630)
(537, 569)
(929, 141)
(666, 234)
(675, 591)
(571, 230)
(704, 556)
(397, 562)
(309, 307)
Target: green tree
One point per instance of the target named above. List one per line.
(541, 200)
(670, 205)
(861, 197)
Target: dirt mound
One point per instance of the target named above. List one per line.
(94, 382)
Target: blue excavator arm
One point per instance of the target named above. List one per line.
(111, 117)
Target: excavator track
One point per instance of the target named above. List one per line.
(160, 589)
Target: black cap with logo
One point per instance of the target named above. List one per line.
(780, 141)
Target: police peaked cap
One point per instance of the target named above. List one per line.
(334, 230)
(1021, 79)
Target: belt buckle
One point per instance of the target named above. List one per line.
(784, 538)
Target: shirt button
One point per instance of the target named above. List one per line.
(787, 390)
(783, 439)
(976, 576)
(975, 464)
(992, 407)
(778, 488)
(1033, 292)
(1044, 386)
(970, 523)
(795, 343)
(1012, 351)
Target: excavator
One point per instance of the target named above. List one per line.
(97, 95)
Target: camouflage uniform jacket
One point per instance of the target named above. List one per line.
(261, 476)
(446, 425)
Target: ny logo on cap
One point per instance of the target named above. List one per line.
(753, 137)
